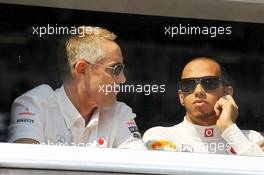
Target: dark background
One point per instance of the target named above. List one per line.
(151, 57)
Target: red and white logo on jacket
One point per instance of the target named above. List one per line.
(101, 142)
(208, 132)
(26, 112)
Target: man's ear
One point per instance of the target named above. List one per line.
(181, 97)
(229, 90)
(80, 68)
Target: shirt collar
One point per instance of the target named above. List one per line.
(70, 113)
(205, 132)
(94, 118)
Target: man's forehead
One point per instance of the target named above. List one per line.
(201, 68)
(112, 53)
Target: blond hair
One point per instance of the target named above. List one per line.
(85, 44)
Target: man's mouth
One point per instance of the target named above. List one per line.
(200, 102)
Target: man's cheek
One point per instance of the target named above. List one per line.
(208, 109)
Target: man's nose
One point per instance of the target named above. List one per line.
(199, 90)
(121, 78)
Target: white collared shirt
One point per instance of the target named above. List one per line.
(49, 117)
(188, 137)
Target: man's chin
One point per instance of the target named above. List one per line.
(109, 103)
(203, 115)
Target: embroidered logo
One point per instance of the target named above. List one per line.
(137, 135)
(60, 139)
(101, 142)
(131, 122)
(209, 132)
(25, 120)
(27, 112)
(162, 145)
(133, 129)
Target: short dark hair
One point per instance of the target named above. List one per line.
(224, 74)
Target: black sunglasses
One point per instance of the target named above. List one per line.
(209, 83)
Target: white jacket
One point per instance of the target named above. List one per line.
(187, 137)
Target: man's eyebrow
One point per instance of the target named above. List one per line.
(114, 63)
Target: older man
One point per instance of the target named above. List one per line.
(80, 112)
(211, 112)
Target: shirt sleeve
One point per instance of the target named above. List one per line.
(128, 135)
(240, 143)
(25, 120)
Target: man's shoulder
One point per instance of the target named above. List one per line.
(41, 88)
(118, 107)
(154, 130)
(39, 94)
(121, 105)
(164, 131)
(158, 131)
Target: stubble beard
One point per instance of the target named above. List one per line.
(204, 118)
